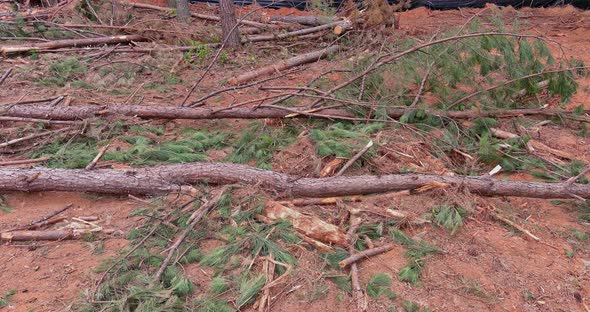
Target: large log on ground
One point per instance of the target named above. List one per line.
(170, 178)
(81, 112)
(58, 44)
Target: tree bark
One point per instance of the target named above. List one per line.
(292, 62)
(158, 112)
(171, 178)
(51, 235)
(80, 112)
(183, 13)
(231, 35)
(58, 44)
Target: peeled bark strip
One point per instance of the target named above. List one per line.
(292, 62)
(310, 226)
(68, 43)
(37, 235)
(170, 178)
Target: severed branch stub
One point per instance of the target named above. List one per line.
(93, 163)
(354, 158)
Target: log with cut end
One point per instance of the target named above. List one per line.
(171, 178)
(292, 62)
(50, 235)
(68, 43)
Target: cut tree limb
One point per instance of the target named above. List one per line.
(365, 254)
(286, 64)
(51, 235)
(171, 178)
(58, 44)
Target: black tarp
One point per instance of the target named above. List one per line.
(433, 4)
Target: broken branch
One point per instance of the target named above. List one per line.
(58, 44)
(365, 254)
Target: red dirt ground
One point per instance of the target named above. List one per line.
(484, 267)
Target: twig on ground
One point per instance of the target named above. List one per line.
(234, 88)
(6, 74)
(365, 254)
(23, 161)
(43, 219)
(422, 84)
(497, 216)
(32, 136)
(357, 291)
(354, 158)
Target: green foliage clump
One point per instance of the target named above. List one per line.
(145, 151)
(5, 299)
(69, 155)
(259, 142)
(379, 285)
(416, 253)
(63, 71)
(198, 52)
(249, 289)
(343, 140)
(4, 206)
(450, 218)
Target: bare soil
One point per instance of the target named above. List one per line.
(486, 266)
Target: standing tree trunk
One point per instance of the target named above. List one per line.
(228, 23)
(182, 11)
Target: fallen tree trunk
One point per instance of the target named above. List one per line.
(81, 112)
(292, 62)
(171, 178)
(58, 44)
